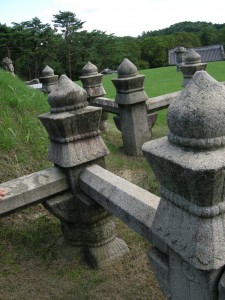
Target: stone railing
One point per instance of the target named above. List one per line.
(132, 107)
(129, 106)
(185, 225)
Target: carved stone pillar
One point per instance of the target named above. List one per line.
(191, 65)
(92, 83)
(190, 166)
(72, 126)
(131, 99)
(48, 79)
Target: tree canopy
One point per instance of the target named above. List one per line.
(66, 48)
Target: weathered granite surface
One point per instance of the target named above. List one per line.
(189, 165)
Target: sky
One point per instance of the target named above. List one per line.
(119, 17)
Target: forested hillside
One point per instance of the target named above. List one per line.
(66, 48)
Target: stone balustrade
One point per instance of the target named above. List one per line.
(186, 224)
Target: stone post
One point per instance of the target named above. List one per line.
(191, 65)
(72, 126)
(48, 79)
(131, 99)
(190, 166)
(180, 56)
(92, 83)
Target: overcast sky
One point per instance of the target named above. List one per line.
(121, 17)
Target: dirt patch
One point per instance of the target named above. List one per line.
(26, 274)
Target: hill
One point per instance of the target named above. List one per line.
(186, 26)
(23, 141)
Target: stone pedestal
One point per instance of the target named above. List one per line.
(72, 126)
(189, 165)
(131, 99)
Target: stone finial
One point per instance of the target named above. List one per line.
(194, 119)
(67, 96)
(89, 69)
(192, 57)
(48, 79)
(47, 71)
(92, 81)
(127, 69)
(129, 84)
(70, 123)
(191, 65)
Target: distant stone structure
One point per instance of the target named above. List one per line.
(207, 53)
(191, 65)
(8, 65)
(180, 56)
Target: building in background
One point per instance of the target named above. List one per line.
(207, 53)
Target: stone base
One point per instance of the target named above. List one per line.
(103, 256)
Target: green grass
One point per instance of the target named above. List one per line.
(27, 239)
(23, 140)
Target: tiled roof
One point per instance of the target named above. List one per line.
(208, 53)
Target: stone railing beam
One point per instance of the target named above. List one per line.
(135, 206)
(160, 102)
(32, 189)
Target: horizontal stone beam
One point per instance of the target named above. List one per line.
(32, 189)
(153, 104)
(108, 105)
(133, 205)
(160, 102)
